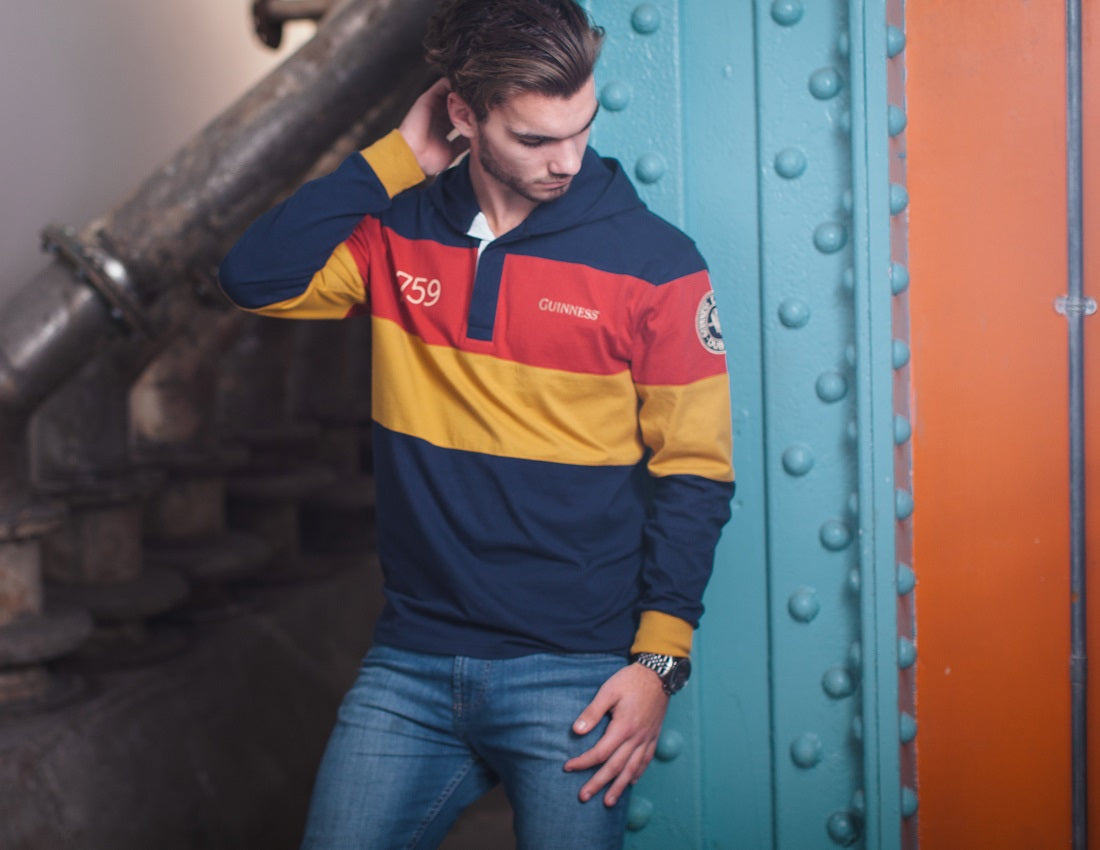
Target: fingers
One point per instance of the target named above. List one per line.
(601, 704)
(637, 704)
(623, 769)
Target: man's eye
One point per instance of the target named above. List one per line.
(531, 143)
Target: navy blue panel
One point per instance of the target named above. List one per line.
(280, 252)
(413, 216)
(483, 303)
(612, 245)
(687, 517)
(558, 568)
(600, 222)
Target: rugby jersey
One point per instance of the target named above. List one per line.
(551, 417)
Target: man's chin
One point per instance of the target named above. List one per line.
(549, 191)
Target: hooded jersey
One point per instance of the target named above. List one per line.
(550, 408)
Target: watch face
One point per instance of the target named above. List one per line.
(678, 675)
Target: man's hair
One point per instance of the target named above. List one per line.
(491, 50)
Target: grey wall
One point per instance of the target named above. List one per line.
(94, 94)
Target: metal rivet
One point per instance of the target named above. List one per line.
(895, 41)
(669, 745)
(639, 813)
(650, 167)
(794, 313)
(899, 278)
(899, 198)
(843, 828)
(790, 163)
(786, 12)
(835, 535)
(907, 653)
(830, 237)
(826, 83)
(843, 46)
(831, 387)
(895, 120)
(908, 802)
(806, 750)
(838, 682)
(907, 728)
(798, 459)
(646, 19)
(902, 430)
(907, 579)
(903, 504)
(899, 353)
(615, 96)
(803, 605)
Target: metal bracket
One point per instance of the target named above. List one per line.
(105, 273)
(1067, 305)
(268, 16)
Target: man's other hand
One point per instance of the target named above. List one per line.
(637, 704)
(427, 128)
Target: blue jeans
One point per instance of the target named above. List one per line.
(420, 737)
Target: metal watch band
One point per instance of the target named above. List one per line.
(672, 670)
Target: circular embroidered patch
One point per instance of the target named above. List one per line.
(707, 326)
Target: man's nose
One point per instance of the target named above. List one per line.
(566, 160)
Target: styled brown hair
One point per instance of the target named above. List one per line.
(493, 49)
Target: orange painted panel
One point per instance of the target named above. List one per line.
(986, 167)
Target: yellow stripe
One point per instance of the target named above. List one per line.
(688, 428)
(664, 634)
(334, 290)
(394, 162)
(479, 403)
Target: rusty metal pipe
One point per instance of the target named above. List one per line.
(182, 217)
(222, 179)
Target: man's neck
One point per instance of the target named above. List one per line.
(504, 209)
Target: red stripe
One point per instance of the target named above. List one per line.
(550, 314)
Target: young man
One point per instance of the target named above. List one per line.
(551, 435)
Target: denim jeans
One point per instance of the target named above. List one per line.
(420, 737)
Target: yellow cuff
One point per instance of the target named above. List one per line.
(394, 162)
(664, 634)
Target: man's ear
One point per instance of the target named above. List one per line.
(461, 115)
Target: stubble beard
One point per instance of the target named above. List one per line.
(524, 189)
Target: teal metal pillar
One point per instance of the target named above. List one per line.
(772, 132)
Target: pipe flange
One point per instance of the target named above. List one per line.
(280, 486)
(233, 556)
(104, 272)
(91, 491)
(33, 519)
(37, 638)
(156, 591)
(190, 461)
(29, 691)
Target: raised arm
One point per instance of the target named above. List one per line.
(295, 260)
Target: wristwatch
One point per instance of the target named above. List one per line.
(673, 670)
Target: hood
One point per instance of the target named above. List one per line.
(600, 190)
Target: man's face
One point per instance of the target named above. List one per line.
(532, 144)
